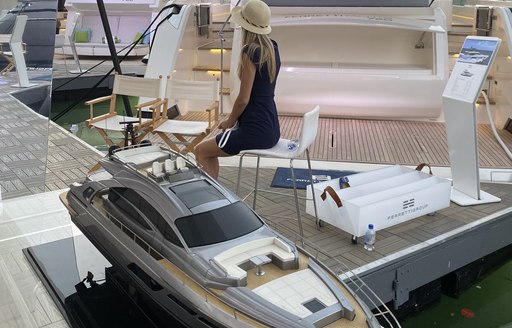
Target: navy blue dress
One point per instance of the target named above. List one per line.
(258, 126)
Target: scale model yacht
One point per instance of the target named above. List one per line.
(197, 251)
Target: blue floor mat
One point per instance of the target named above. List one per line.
(283, 177)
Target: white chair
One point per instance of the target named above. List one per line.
(187, 133)
(16, 55)
(59, 44)
(280, 150)
(15, 42)
(125, 86)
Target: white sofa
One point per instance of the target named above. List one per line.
(230, 260)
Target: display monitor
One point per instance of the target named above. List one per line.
(471, 69)
(478, 51)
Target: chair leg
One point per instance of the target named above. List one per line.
(256, 183)
(312, 190)
(239, 174)
(7, 68)
(299, 219)
(65, 61)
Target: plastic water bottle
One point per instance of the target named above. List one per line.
(293, 145)
(369, 238)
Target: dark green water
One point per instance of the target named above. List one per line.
(486, 304)
(79, 113)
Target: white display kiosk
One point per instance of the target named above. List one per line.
(459, 97)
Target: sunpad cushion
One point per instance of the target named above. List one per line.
(139, 156)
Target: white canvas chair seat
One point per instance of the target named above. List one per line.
(188, 128)
(149, 88)
(113, 123)
(184, 132)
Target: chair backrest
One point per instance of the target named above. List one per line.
(19, 29)
(136, 86)
(309, 128)
(192, 90)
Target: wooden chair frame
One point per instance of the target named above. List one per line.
(181, 128)
(126, 86)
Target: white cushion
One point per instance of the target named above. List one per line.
(182, 127)
(113, 123)
(230, 259)
(142, 155)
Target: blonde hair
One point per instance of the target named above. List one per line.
(252, 42)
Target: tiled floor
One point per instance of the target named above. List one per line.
(23, 144)
(36, 155)
(28, 221)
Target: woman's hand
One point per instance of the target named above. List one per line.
(226, 124)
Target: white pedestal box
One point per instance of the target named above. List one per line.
(382, 197)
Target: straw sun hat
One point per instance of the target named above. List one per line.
(254, 16)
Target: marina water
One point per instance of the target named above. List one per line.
(485, 304)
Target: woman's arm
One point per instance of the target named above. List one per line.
(246, 82)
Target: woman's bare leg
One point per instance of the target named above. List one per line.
(207, 154)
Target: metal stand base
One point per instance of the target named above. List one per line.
(462, 199)
(259, 272)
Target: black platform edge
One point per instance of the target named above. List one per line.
(46, 283)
